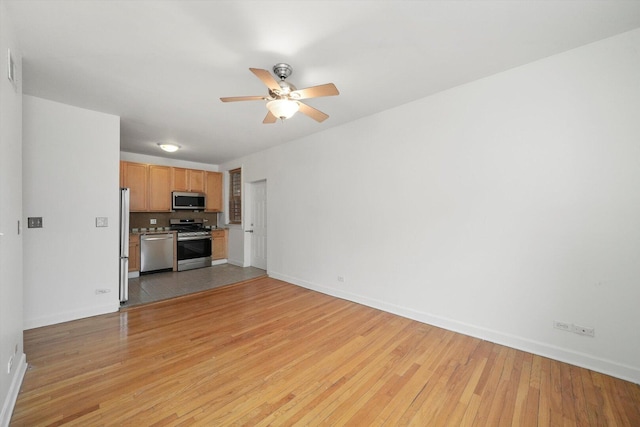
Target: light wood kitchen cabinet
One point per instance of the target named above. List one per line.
(219, 244)
(188, 180)
(180, 179)
(135, 177)
(134, 252)
(159, 188)
(196, 180)
(151, 186)
(213, 190)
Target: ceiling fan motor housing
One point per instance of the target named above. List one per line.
(282, 70)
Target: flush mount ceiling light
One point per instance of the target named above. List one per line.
(283, 100)
(283, 108)
(170, 148)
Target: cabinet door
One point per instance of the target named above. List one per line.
(135, 178)
(213, 190)
(134, 252)
(180, 179)
(159, 188)
(187, 180)
(196, 181)
(219, 241)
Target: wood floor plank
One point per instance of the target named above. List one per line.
(267, 352)
(579, 399)
(522, 391)
(528, 415)
(544, 404)
(489, 384)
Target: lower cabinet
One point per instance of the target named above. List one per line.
(134, 252)
(219, 243)
(218, 251)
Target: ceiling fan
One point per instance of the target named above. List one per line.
(284, 98)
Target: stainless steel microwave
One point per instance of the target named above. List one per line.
(187, 201)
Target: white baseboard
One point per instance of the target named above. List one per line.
(238, 263)
(10, 401)
(71, 315)
(608, 367)
(219, 261)
(133, 274)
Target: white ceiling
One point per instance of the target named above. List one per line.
(163, 65)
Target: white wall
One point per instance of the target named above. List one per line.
(71, 176)
(492, 209)
(254, 168)
(166, 161)
(10, 215)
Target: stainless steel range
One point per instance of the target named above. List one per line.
(193, 243)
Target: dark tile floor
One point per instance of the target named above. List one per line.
(160, 286)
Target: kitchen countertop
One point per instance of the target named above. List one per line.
(152, 231)
(157, 231)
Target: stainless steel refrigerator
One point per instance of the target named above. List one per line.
(124, 245)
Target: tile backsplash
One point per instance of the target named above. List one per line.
(143, 219)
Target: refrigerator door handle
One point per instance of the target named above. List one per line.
(124, 245)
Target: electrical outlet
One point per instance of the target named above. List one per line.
(153, 221)
(562, 326)
(340, 278)
(582, 330)
(102, 221)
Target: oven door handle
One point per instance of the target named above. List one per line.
(184, 239)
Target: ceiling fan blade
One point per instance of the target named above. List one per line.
(269, 118)
(316, 115)
(242, 98)
(266, 78)
(328, 89)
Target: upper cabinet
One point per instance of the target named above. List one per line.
(159, 188)
(188, 180)
(196, 180)
(135, 177)
(213, 190)
(151, 186)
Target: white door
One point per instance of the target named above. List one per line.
(258, 224)
(12, 300)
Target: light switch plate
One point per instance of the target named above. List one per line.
(34, 222)
(102, 221)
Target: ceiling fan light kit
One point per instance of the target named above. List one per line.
(282, 101)
(283, 108)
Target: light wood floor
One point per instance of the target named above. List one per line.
(268, 352)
